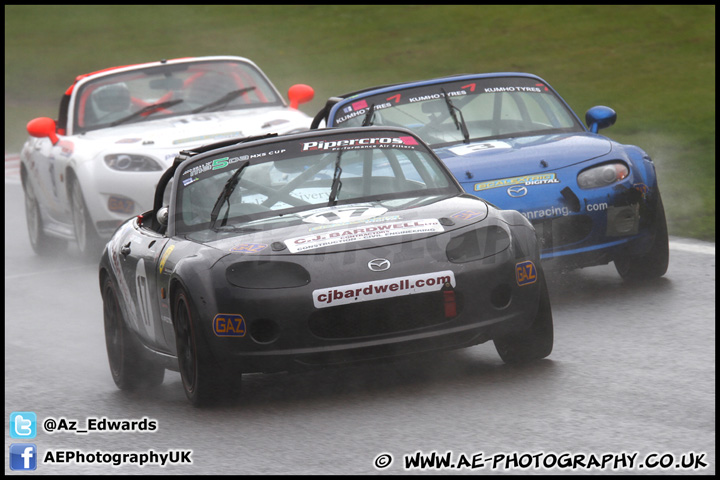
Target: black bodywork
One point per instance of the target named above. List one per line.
(265, 299)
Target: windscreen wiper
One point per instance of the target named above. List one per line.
(227, 98)
(370, 116)
(336, 183)
(460, 125)
(147, 111)
(225, 195)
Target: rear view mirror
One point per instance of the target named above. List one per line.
(434, 107)
(167, 83)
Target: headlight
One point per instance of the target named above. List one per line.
(266, 274)
(602, 175)
(477, 244)
(131, 163)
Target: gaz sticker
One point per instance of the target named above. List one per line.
(228, 325)
(248, 248)
(525, 273)
(467, 214)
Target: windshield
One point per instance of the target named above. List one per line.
(478, 108)
(254, 185)
(168, 90)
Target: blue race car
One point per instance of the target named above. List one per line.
(512, 140)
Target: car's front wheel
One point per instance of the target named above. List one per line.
(129, 367)
(87, 238)
(204, 381)
(41, 243)
(654, 263)
(534, 343)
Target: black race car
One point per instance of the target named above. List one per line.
(317, 248)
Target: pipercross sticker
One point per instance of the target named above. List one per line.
(391, 287)
(337, 237)
(359, 143)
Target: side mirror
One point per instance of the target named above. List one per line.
(600, 117)
(162, 216)
(300, 94)
(42, 127)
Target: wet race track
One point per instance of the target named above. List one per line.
(630, 384)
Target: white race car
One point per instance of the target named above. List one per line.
(120, 128)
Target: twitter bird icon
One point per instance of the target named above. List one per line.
(23, 425)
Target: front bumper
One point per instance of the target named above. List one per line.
(597, 237)
(577, 229)
(283, 328)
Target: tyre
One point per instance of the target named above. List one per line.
(204, 381)
(87, 238)
(41, 243)
(129, 366)
(654, 263)
(534, 343)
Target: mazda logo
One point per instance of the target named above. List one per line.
(379, 264)
(517, 191)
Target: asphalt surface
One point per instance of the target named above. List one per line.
(630, 384)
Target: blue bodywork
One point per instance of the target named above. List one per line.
(509, 158)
